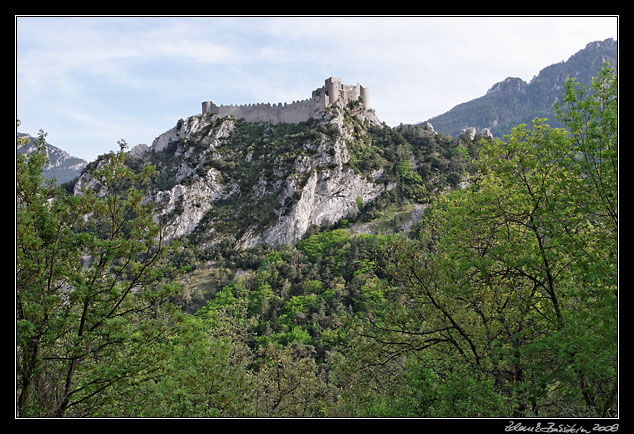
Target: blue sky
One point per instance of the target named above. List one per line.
(91, 81)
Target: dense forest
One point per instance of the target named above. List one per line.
(501, 301)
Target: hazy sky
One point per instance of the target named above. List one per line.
(91, 81)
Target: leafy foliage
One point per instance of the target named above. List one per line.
(503, 303)
(507, 278)
(89, 289)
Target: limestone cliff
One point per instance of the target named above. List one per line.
(225, 180)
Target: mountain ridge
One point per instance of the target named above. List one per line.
(60, 164)
(513, 101)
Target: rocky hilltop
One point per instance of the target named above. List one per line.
(226, 180)
(279, 194)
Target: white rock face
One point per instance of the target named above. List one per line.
(187, 128)
(314, 189)
(471, 134)
(182, 130)
(195, 200)
(485, 133)
(468, 133)
(139, 151)
(327, 197)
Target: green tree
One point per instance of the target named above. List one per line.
(89, 301)
(407, 173)
(591, 116)
(516, 277)
(208, 360)
(288, 383)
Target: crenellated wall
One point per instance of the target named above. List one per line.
(297, 111)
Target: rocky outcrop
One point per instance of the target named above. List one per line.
(184, 205)
(328, 196)
(190, 129)
(428, 126)
(203, 155)
(471, 134)
(468, 133)
(508, 85)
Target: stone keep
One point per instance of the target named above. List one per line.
(297, 111)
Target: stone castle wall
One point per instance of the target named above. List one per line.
(297, 111)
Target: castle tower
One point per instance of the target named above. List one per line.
(365, 94)
(209, 107)
(333, 85)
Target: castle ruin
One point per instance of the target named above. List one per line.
(298, 111)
